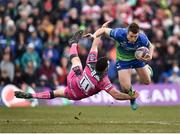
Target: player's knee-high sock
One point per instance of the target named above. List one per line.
(133, 103)
(131, 91)
(73, 50)
(44, 95)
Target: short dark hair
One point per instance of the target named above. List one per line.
(133, 27)
(102, 64)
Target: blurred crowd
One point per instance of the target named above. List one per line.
(34, 37)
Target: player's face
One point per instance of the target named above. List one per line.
(132, 37)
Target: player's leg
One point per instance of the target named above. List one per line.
(144, 71)
(124, 76)
(59, 92)
(76, 67)
(145, 74)
(75, 60)
(124, 73)
(125, 83)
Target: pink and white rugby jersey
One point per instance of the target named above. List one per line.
(91, 82)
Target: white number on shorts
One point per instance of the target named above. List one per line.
(86, 84)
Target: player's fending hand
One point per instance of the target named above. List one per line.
(89, 35)
(105, 25)
(99, 32)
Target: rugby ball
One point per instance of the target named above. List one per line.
(141, 52)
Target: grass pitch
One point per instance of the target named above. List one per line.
(90, 119)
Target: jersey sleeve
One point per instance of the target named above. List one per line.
(116, 33)
(106, 84)
(92, 57)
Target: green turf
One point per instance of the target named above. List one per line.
(90, 119)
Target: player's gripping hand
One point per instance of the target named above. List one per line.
(146, 58)
(135, 95)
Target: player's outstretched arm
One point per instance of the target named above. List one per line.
(95, 43)
(122, 96)
(101, 31)
(58, 92)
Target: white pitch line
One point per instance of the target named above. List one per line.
(30, 121)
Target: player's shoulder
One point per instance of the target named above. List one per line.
(120, 29)
(143, 38)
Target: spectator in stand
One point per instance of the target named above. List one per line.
(47, 26)
(30, 55)
(4, 78)
(91, 10)
(30, 74)
(62, 70)
(18, 78)
(51, 53)
(24, 6)
(43, 82)
(175, 76)
(33, 38)
(47, 69)
(7, 39)
(61, 11)
(7, 66)
(11, 9)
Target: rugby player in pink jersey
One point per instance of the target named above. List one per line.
(83, 83)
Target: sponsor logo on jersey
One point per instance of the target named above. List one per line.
(92, 57)
(108, 86)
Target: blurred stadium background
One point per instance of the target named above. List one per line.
(34, 50)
